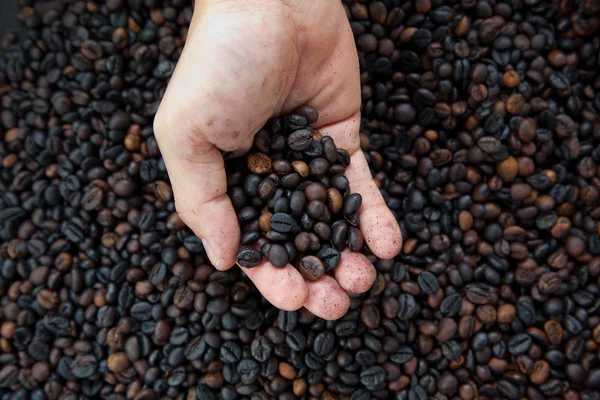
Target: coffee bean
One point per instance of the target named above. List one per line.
(451, 305)
(330, 257)
(300, 140)
(339, 235)
(311, 268)
(287, 320)
(352, 203)
(519, 344)
(249, 258)
(282, 223)
(372, 377)
(261, 349)
(355, 239)
(428, 283)
(324, 343)
(277, 255)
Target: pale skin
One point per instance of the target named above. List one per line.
(243, 63)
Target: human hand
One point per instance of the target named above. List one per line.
(244, 62)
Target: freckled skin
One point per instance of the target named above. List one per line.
(224, 89)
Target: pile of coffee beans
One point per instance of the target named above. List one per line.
(291, 190)
(480, 124)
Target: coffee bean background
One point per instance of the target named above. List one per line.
(480, 124)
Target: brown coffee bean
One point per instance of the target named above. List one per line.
(540, 373)
(527, 130)
(553, 331)
(118, 362)
(335, 200)
(508, 169)
(511, 79)
(506, 313)
(259, 163)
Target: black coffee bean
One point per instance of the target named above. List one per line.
(352, 203)
(300, 140)
(278, 255)
(249, 258)
(330, 257)
(558, 81)
(296, 340)
(261, 349)
(249, 238)
(84, 366)
(355, 239)
(248, 370)
(339, 235)
(407, 307)
(519, 344)
(282, 223)
(287, 320)
(428, 283)
(297, 203)
(343, 157)
(324, 343)
(229, 353)
(402, 355)
(451, 305)
(316, 209)
(373, 377)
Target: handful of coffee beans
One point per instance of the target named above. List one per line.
(290, 190)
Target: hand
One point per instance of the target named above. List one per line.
(244, 62)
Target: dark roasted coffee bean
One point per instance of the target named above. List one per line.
(355, 239)
(339, 235)
(428, 282)
(277, 255)
(352, 203)
(282, 222)
(287, 320)
(407, 307)
(249, 258)
(451, 305)
(330, 257)
(311, 267)
(300, 140)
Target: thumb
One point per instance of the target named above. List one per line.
(200, 189)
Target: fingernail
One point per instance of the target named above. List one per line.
(210, 253)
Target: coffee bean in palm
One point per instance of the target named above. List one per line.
(311, 267)
(278, 255)
(352, 203)
(266, 188)
(281, 205)
(282, 222)
(339, 234)
(248, 257)
(340, 182)
(316, 191)
(289, 181)
(343, 157)
(330, 257)
(355, 239)
(249, 238)
(300, 140)
(318, 167)
(316, 209)
(322, 230)
(297, 203)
